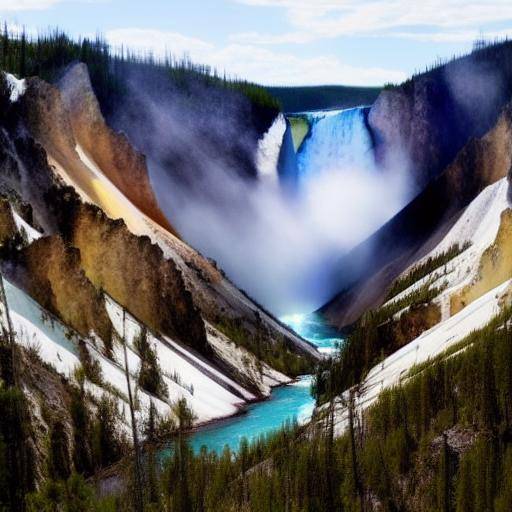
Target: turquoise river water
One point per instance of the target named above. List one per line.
(289, 402)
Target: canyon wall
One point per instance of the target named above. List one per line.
(430, 117)
(367, 271)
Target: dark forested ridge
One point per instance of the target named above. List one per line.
(323, 97)
(47, 55)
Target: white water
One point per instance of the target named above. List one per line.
(281, 240)
(338, 142)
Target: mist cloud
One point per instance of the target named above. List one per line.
(281, 248)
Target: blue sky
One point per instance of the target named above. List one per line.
(361, 42)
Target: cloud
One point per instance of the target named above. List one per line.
(34, 5)
(445, 20)
(27, 5)
(253, 62)
(159, 42)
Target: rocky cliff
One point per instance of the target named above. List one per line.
(424, 122)
(368, 270)
(111, 150)
(52, 273)
(131, 269)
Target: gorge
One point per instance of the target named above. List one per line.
(209, 303)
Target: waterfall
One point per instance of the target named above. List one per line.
(338, 141)
(269, 148)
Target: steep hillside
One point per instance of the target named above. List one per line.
(105, 306)
(112, 151)
(429, 118)
(468, 286)
(367, 271)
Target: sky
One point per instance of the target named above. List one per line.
(281, 42)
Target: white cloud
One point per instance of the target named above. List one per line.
(159, 42)
(27, 5)
(251, 62)
(444, 20)
(35, 5)
(269, 67)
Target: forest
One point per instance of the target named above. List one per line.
(47, 55)
(441, 440)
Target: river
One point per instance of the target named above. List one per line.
(293, 401)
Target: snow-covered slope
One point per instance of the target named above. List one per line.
(185, 374)
(478, 226)
(25, 228)
(209, 393)
(431, 343)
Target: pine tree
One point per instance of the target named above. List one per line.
(185, 418)
(23, 54)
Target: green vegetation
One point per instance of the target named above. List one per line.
(300, 129)
(91, 367)
(440, 441)
(275, 353)
(424, 269)
(73, 494)
(150, 374)
(376, 335)
(323, 97)
(498, 51)
(47, 55)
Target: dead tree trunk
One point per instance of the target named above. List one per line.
(139, 499)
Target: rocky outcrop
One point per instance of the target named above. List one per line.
(53, 276)
(495, 267)
(8, 227)
(368, 270)
(428, 119)
(111, 151)
(131, 269)
(47, 119)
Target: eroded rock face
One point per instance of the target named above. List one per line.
(7, 225)
(47, 119)
(59, 131)
(418, 228)
(131, 269)
(495, 267)
(428, 119)
(111, 150)
(53, 276)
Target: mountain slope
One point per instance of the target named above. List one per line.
(107, 306)
(413, 232)
(482, 231)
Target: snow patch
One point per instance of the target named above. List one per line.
(185, 374)
(24, 227)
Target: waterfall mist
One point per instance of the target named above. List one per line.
(281, 246)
